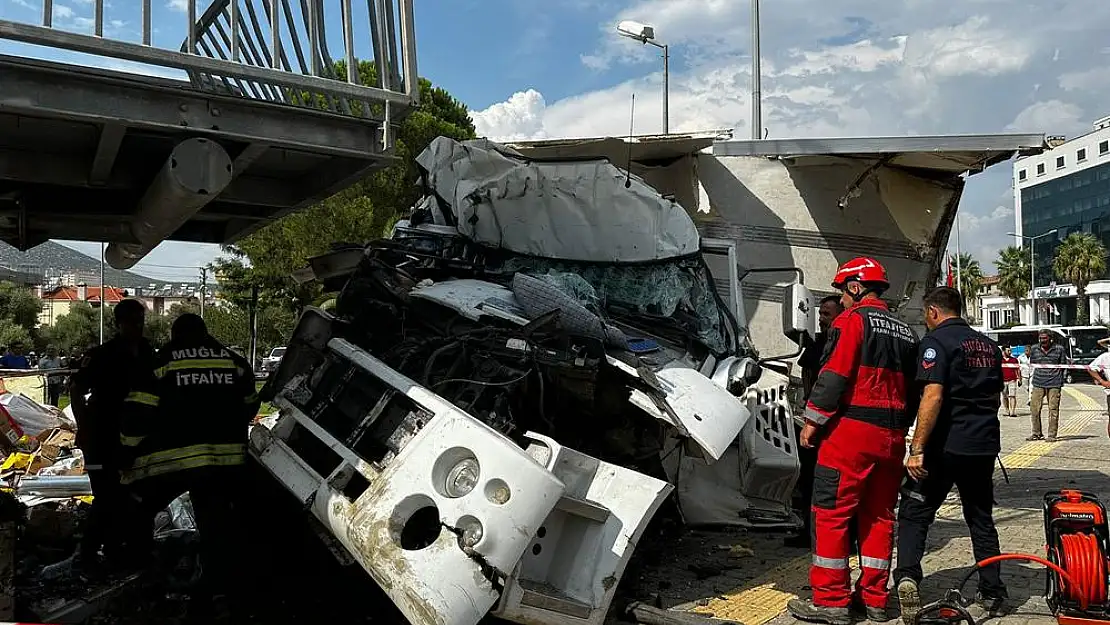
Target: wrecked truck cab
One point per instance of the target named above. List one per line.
(484, 422)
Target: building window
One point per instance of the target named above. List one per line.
(1081, 155)
(994, 318)
(1040, 169)
(1021, 175)
(1008, 316)
(1104, 147)
(1059, 162)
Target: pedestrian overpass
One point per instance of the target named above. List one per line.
(258, 125)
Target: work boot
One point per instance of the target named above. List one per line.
(909, 600)
(873, 614)
(805, 611)
(985, 607)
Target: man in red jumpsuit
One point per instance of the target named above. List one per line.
(860, 408)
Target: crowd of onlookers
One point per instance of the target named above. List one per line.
(15, 358)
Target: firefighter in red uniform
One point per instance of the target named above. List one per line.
(860, 408)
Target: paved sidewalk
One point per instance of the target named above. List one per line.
(749, 577)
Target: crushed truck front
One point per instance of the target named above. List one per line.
(511, 385)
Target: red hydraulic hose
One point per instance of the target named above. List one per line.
(1069, 581)
(1080, 555)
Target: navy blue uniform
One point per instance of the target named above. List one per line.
(961, 449)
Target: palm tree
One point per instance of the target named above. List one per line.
(1080, 258)
(970, 278)
(1013, 274)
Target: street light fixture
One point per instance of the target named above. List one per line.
(646, 35)
(1033, 267)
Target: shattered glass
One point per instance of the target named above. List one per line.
(679, 290)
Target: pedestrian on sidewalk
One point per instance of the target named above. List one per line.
(1100, 373)
(955, 442)
(1048, 383)
(1011, 376)
(859, 410)
(1026, 373)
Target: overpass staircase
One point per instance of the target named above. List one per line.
(248, 119)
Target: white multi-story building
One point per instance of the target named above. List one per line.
(1065, 189)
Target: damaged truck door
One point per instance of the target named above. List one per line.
(479, 422)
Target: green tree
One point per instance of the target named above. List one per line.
(19, 305)
(1079, 259)
(970, 278)
(1013, 274)
(78, 329)
(11, 332)
(363, 211)
(157, 330)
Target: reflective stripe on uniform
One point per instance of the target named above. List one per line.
(192, 457)
(146, 399)
(198, 363)
(130, 441)
(816, 417)
(830, 563)
(874, 563)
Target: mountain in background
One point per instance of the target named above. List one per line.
(52, 259)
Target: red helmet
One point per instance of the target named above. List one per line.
(865, 270)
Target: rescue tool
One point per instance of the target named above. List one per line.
(1076, 536)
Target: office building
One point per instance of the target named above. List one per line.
(1067, 189)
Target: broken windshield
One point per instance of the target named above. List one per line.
(677, 292)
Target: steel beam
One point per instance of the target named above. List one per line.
(194, 174)
(929, 144)
(45, 90)
(278, 194)
(111, 136)
(69, 171)
(76, 226)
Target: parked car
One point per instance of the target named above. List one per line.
(270, 362)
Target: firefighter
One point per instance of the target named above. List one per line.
(105, 374)
(860, 408)
(185, 428)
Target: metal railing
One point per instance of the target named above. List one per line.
(271, 50)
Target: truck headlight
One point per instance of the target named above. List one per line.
(462, 478)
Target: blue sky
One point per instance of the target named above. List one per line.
(531, 70)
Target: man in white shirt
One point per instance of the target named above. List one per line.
(1026, 372)
(1100, 372)
(55, 382)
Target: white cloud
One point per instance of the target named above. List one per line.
(1096, 79)
(62, 11)
(178, 5)
(970, 48)
(1053, 116)
(860, 56)
(518, 118)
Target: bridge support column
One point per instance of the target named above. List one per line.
(196, 172)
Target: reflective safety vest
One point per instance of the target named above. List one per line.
(192, 411)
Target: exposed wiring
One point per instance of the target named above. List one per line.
(481, 383)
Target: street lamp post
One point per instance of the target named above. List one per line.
(646, 35)
(1033, 268)
(757, 92)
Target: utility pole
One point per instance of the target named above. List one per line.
(103, 293)
(757, 92)
(203, 289)
(253, 320)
